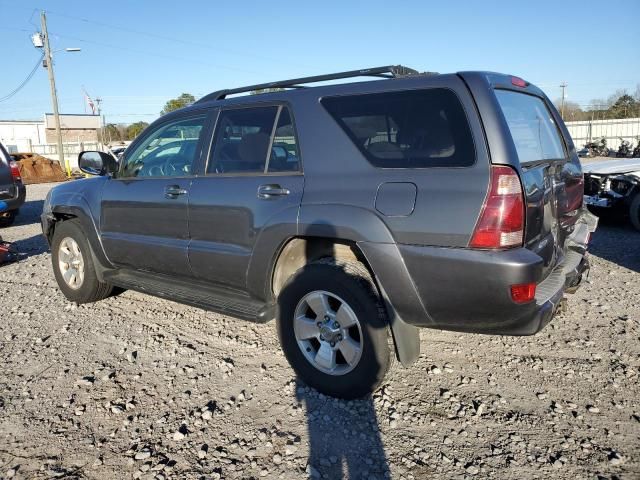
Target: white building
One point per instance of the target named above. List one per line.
(79, 132)
(21, 135)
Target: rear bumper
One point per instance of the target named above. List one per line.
(469, 290)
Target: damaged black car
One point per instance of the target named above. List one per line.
(613, 188)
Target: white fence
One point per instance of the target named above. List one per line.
(584, 131)
(71, 150)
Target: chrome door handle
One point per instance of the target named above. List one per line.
(174, 191)
(271, 190)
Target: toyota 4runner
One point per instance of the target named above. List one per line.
(352, 213)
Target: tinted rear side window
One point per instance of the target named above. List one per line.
(408, 129)
(532, 127)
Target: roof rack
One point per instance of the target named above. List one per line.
(389, 71)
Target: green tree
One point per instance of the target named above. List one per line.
(572, 110)
(179, 102)
(624, 107)
(111, 133)
(134, 129)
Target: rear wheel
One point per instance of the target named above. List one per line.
(7, 218)
(73, 265)
(634, 212)
(333, 329)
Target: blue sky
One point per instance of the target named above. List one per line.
(138, 54)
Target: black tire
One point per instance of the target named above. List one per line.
(352, 283)
(91, 289)
(634, 212)
(8, 219)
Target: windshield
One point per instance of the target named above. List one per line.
(532, 127)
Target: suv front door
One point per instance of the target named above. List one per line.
(253, 175)
(144, 224)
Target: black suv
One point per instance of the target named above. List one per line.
(351, 213)
(12, 190)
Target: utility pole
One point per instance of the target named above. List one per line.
(100, 129)
(48, 58)
(563, 85)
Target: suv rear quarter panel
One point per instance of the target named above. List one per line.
(448, 200)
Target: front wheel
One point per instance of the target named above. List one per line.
(333, 329)
(73, 265)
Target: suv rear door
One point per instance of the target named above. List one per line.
(524, 130)
(253, 175)
(7, 186)
(550, 180)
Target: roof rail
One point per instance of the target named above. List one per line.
(389, 71)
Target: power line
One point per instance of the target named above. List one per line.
(24, 82)
(142, 52)
(160, 37)
(167, 38)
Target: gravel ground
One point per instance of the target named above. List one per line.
(139, 387)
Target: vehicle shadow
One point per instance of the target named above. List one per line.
(29, 213)
(617, 242)
(344, 437)
(30, 247)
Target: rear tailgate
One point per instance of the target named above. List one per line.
(8, 190)
(549, 170)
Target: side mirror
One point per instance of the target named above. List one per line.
(97, 163)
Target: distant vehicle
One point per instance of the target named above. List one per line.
(117, 151)
(598, 148)
(636, 151)
(613, 186)
(624, 150)
(12, 190)
(584, 152)
(352, 213)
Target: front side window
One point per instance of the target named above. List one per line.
(532, 127)
(169, 151)
(407, 129)
(254, 140)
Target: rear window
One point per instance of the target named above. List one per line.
(532, 127)
(408, 129)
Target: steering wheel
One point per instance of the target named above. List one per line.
(155, 171)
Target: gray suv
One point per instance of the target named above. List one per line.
(354, 214)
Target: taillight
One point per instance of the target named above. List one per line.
(523, 293)
(501, 222)
(15, 170)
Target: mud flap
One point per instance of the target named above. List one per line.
(406, 337)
